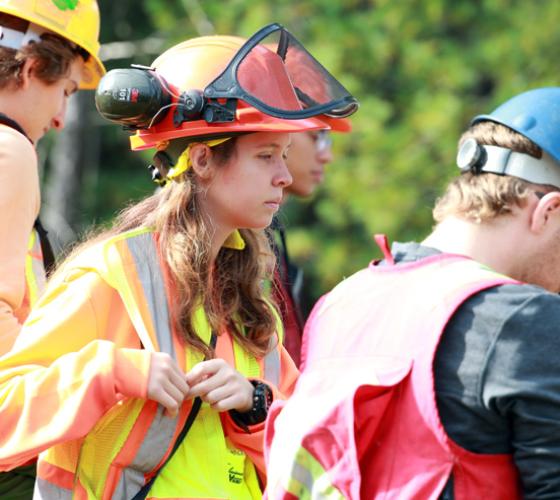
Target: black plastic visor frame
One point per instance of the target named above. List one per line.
(250, 76)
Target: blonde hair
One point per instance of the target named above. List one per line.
(231, 292)
(481, 197)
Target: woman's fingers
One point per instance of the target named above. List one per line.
(221, 385)
(166, 382)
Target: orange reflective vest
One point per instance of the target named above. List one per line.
(133, 439)
(35, 276)
(367, 420)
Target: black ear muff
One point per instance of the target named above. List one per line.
(134, 97)
(471, 156)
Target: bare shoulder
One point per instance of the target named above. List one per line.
(16, 147)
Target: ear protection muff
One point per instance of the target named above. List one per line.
(477, 158)
(139, 98)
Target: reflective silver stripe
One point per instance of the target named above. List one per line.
(159, 436)
(144, 252)
(157, 441)
(272, 363)
(45, 490)
(303, 476)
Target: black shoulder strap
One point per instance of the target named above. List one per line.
(10, 122)
(195, 408)
(46, 248)
(279, 247)
(49, 262)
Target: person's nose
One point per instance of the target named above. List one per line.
(325, 155)
(282, 178)
(58, 120)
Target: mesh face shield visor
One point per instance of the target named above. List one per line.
(270, 67)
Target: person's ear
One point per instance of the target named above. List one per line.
(546, 211)
(201, 161)
(27, 72)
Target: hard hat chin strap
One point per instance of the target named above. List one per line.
(14, 39)
(503, 161)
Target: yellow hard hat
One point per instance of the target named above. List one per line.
(74, 20)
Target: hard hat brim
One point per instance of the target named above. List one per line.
(342, 125)
(248, 120)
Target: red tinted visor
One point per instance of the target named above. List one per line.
(274, 73)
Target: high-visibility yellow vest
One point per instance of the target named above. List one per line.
(134, 438)
(35, 276)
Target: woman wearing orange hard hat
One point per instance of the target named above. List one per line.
(47, 52)
(147, 368)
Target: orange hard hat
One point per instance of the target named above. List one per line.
(193, 64)
(342, 125)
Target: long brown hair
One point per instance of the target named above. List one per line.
(231, 291)
(53, 56)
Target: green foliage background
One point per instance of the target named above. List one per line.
(421, 70)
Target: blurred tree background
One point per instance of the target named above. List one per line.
(420, 68)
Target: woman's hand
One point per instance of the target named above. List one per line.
(221, 386)
(166, 382)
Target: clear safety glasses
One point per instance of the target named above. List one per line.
(322, 140)
(270, 67)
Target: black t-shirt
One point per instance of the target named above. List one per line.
(497, 377)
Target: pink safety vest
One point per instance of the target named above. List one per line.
(363, 420)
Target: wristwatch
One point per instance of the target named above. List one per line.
(262, 399)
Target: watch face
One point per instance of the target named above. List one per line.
(262, 399)
(267, 396)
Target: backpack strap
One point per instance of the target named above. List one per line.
(46, 247)
(10, 122)
(49, 260)
(383, 244)
(195, 408)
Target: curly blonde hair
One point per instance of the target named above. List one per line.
(480, 197)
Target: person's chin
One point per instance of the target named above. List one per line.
(303, 191)
(310, 192)
(260, 223)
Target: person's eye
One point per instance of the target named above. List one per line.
(265, 156)
(70, 91)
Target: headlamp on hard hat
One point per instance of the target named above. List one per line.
(477, 158)
(267, 72)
